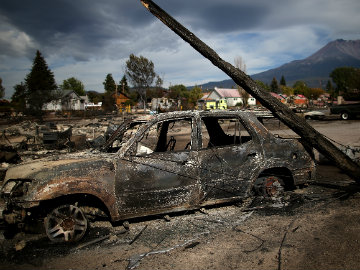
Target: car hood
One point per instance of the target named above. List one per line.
(39, 168)
(52, 177)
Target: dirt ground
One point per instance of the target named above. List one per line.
(315, 227)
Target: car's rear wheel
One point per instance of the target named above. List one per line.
(269, 186)
(66, 223)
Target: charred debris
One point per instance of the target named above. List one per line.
(29, 140)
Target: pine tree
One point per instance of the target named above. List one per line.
(274, 86)
(282, 81)
(124, 85)
(110, 87)
(109, 84)
(40, 83)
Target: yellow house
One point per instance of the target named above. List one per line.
(120, 100)
(216, 104)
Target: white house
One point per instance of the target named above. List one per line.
(232, 96)
(67, 100)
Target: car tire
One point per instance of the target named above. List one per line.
(269, 186)
(66, 223)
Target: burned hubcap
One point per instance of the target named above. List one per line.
(273, 187)
(66, 223)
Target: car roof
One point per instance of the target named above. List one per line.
(177, 114)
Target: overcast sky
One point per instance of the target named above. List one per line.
(88, 39)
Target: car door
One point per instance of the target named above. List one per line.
(160, 174)
(229, 157)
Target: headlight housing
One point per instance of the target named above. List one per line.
(15, 188)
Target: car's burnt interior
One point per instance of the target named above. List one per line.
(223, 131)
(172, 135)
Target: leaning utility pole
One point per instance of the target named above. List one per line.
(281, 111)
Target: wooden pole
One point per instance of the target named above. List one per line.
(281, 111)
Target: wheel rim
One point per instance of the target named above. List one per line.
(345, 116)
(273, 187)
(66, 223)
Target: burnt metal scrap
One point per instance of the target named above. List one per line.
(281, 111)
(173, 162)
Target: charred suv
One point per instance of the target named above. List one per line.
(173, 162)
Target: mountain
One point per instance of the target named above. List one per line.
(314, 70)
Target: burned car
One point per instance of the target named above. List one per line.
(174, 162)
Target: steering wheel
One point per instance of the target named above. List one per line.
(171, 144)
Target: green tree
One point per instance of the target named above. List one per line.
(194, 95)
(124, 85)
(141, 73)
(2, 89)
(274, 86)
(282, 81)
(108, 104)
(347, 79)
(300, 88)
(73, 84)
(109, 84)
(314, 93)
(177, 91)
(18, 99)
(40, 83)
(289, 91)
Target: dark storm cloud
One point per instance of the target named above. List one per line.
(83, 25)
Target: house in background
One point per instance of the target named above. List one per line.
(163, 104)
(231, 96)
(301, 101)
(120, 99)
(67, 100)
(206, 103)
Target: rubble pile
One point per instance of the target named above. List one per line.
(30, 140)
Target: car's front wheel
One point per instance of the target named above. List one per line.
(66, 223)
